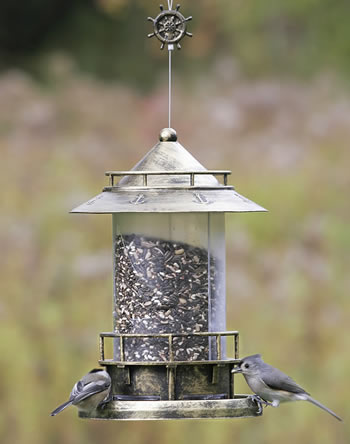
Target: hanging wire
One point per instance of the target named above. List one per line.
(165, 32)
(170, 51)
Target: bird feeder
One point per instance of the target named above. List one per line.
(171, 354)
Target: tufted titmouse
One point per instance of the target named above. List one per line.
(271, 385)
(89, 392)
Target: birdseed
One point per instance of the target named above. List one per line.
(162, 287)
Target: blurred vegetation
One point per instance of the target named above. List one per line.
(287, 271)
(298, 37)
(287, 142)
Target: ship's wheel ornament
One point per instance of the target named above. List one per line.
(170, 27)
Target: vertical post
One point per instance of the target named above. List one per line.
(232, 385)
(171, 370)
(192, 179)
(121, 342)
(171, 354)
(218, 347)
(215, 374)
(210, 337)
(236, 345)
(102, 348)
(171, 382)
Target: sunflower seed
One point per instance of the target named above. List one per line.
(162, 287)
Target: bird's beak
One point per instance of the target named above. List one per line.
(237, 370)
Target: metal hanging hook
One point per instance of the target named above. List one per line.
(170, 26)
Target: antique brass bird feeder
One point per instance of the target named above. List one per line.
(169, 357)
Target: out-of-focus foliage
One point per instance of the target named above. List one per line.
(290, 36)
(287, 143)
(25, 26)
(287, 271)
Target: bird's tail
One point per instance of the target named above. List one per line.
(313, 401)
(60, 408)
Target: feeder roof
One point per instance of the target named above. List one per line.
(168, 180)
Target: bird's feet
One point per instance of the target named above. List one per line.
(102, 405)
(260, 402)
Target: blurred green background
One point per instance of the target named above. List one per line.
(262, 89)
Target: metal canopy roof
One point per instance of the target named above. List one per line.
(168, 180)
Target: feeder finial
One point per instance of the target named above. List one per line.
(168, 135)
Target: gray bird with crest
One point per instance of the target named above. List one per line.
(272, 386)
(88, 393)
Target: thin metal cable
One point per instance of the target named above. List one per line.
(170, 49)
(170, 88)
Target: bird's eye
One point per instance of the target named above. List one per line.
(246, 366)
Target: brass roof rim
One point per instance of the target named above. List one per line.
(165, 187)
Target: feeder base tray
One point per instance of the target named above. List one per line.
(241, 406)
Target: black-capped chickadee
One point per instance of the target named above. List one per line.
(89, 392)
(273, 386)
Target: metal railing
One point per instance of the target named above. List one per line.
(145, 174)
(170, 336)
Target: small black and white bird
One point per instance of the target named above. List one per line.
(89, 392)
(273, 386)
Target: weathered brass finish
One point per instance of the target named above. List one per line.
(240, 406)
(192, 182)
(168, 201)
(173, 389)
(170, 336)
(168, 180)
